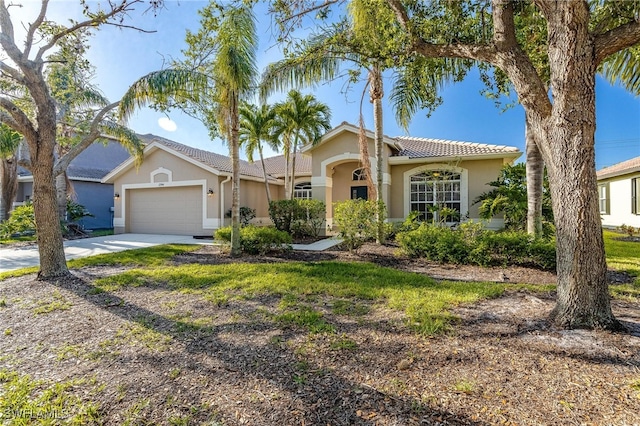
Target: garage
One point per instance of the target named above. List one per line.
(165, 210)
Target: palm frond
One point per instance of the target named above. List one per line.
(624, 68)
(162, 86)
(127, 138)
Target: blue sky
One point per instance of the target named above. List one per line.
(121, 56)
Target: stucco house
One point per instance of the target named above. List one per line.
(85, 174)
(619, 194)
(183, 190)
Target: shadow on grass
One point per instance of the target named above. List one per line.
(313, 394)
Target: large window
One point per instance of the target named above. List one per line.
(433, 191)
(603, 198)
(302, 191)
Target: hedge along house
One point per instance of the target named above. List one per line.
(183, 190)
(619, 194)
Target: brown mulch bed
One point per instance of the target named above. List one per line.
(502, 363)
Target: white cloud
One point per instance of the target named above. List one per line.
(167, 124)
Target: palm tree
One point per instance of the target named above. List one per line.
(219, 73)
(301, 120)
(9, 141)
(256, 127)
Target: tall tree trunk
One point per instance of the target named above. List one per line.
(9, 181)
(535, 175)
(45, 206)
(583, 297)
(377, 93)
(287, 165)
(264, 173)
(236, 250)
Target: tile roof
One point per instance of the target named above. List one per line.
(211, 159)
(95, 162)
(629, 166)
(275, 165)
(413, 147)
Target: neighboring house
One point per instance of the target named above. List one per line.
(85, 174)
(183, 190)
(619, 194)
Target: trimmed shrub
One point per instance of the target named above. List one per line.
(257, 239)
(308, 218)
(356, 221)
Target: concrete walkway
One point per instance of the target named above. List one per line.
(27, 256)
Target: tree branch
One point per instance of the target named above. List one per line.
(504, 29)
(102, 19)
(94, 133)
(19, 120)
(616, 39)
(11, 72)
(34, 26)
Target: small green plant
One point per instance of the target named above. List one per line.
(57, 303)
(3, 303)
(343, 343)
(48, 403)
(8, 332)
(307, 318)
(282, 213)
(174, 373)
(464, 386)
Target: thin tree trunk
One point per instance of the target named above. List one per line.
(266, 177)
(535, 173)
(377, 93)
(583, 298)
(293, 168)
(236, 250)
(61, 196)
(287, 165)
(9, 181)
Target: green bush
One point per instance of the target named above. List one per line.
(257, 239)
(282, 213)
(302, 218)
(76, 211)
(356, 221)
(472, 244)
(308, 218)
(22, 220)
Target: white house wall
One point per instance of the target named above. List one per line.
(620, 204)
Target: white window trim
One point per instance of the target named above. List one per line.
(464, 185)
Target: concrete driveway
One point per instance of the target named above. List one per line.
(27, 256)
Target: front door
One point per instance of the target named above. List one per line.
(359, 192)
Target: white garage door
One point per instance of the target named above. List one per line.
(173, 210)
